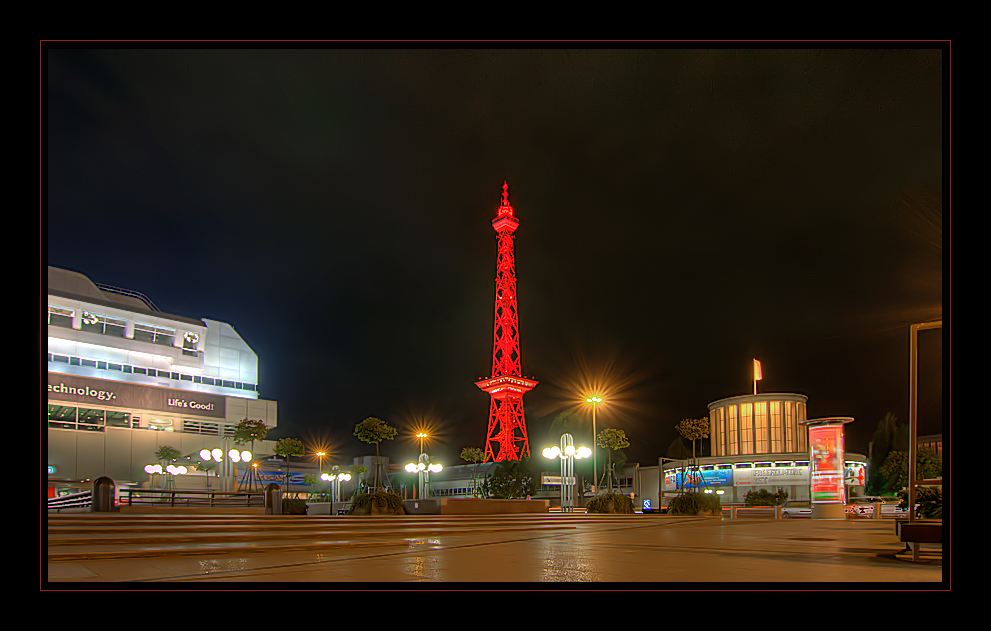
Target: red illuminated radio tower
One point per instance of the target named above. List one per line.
(507, 427)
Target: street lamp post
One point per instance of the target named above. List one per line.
(335, 478)
(227, 471)
(567, 452)
(595, 481)
(424, 469)
(913, 409)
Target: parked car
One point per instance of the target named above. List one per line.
(864, 507)
(796, 508)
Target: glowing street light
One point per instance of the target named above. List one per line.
(424, 468)
(594, 400)
(335, 477)
(227, 471)
(152, 469)
(421, 436)
(320, 455)
(567, 452)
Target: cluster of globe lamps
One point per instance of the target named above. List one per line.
(567, 453)
(424, 468)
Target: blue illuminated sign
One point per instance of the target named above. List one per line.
(712, 477)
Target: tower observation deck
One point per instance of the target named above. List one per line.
(506, 437)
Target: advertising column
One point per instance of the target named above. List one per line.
(826, 467)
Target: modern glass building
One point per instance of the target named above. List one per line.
(125, 379)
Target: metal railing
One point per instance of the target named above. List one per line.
(129, 292)
(191, 499)
(75, 500)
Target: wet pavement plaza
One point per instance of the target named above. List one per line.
(518, 549)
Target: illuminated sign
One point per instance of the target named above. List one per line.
(277, 476)
(712, 477)
(555, 480)
(826, 447)
(855, 473)
(770, 476)
(51, 469)
(646, 504)
(74, 389)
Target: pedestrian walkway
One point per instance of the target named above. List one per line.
(490, 549)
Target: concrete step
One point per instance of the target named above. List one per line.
(76, 538)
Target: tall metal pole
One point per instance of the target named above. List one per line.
(913, 407)
(595, 480)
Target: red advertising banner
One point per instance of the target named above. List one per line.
(826, 443)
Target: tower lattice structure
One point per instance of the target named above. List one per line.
(506, 435)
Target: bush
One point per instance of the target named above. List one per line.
(609, 503)
(930, 500)
(392, 503)
(695, 504)
(765, 498)
(291, 506)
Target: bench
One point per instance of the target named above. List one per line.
(912, 534)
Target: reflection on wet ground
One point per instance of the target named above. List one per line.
(626, 548)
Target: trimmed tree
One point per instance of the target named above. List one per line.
(167, 455)
(473, 455)
(356, 470)
(611, 440)
(694, 429)
(288, 447)
(375, 430)
(247, 431)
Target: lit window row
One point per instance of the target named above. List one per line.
(115, 327)
(758, 428)
(151, 372)
(95, 420)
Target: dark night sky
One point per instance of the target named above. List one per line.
(682, 212)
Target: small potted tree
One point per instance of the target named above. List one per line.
(373, 431)
(290, 447)
(473, 455)
(610, 501)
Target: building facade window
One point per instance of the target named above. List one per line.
(154, 334)
(733, 436)
(62, 416)
(118, 419)
(760, 427)
(57, 316)
(800, 430)
(151, 372)
(790, 444)
(93, 419)
(722, 431)
(103, 325)
(777, 444)
(747, 428)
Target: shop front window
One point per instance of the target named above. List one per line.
(118, 419)
(61, 417)
(91, 419)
